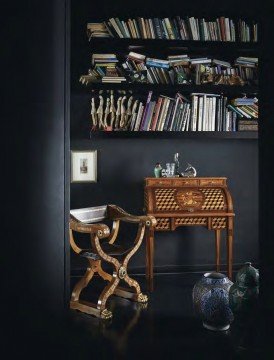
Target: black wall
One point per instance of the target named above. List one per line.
(122, 166)
(33, 245)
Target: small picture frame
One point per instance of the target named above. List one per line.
(83, 166)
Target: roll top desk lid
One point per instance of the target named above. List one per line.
(185, 195)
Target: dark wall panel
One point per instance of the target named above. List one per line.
(123, 164)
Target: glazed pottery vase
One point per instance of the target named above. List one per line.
(158, 171)
(211, 302)
(243, 295)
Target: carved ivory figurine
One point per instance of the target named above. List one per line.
(128, 112)
(100, 112)
(106, 115)
(112, 110)
(93, 114)
(123, 112)
(118, 112)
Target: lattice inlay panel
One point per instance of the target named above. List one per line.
(219, 223)
(191, 221)
(214, 199)
(165, 200)
(163, 224)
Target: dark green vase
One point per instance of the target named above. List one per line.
(243, 295)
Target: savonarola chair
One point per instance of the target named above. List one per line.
(88, 221)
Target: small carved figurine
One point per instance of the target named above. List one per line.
(118, 113)
(123, 112)
(100, 112)
(128, 112)
(112, 110)
(106, 115)
(93, 114)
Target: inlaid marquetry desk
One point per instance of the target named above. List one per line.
(189, 202)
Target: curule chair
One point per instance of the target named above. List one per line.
(88, 220)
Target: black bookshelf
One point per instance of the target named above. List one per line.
(114, 44)
(184, 88)
(175, 134)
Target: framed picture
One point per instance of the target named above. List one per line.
(83, 166)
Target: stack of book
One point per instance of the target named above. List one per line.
(176, 69)
(105, 66)
(247, 112)
(188, 28)
(97, 30)
(247, 61)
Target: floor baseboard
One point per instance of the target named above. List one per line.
(170, 269)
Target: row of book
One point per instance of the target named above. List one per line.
(177, 28)
(176, 69)
(199, 112)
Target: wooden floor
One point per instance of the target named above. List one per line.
(167, 329)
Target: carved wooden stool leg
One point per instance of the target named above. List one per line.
(105, 294)
(217, 248)
(82, 283)
(135, 294)
(104, 275)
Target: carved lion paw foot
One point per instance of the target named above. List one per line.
(142, 298)
(106, 314)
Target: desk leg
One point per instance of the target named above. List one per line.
(149, 258)
(217, 248)
(229, 245)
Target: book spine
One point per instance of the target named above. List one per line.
(152, 31)
(169, 115)
(147, 29)
(145, 110)
(139, 116)
(120, 25)
(116, 27)
(137, 29)
(149, 115)
(156, 113)
(194, 113)
(165, 30)
(158, 28)
(158, 126)
(175, 28)
(144, 28)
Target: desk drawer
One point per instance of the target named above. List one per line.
(210, 182)
(161, 182)
(186, 182)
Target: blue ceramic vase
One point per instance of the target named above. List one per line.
(211, 301)
(243, 295)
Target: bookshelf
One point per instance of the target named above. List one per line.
(162, 47)
(111, 44)
(229, 135)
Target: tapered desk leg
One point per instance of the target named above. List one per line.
(149, 258)
(217, 248)
(229, 245)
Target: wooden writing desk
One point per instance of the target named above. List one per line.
(189, 202)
